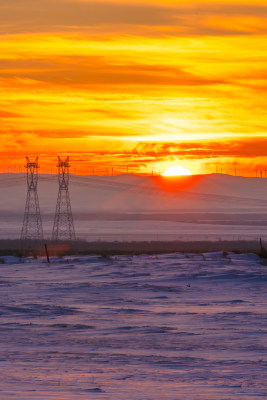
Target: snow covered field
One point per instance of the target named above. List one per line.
(174, 327)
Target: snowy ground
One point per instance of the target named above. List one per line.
(110, 231)
(174, 327)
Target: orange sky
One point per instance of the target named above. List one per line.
(146, 84)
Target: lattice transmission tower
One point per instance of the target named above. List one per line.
(32, 223)
(63, 228)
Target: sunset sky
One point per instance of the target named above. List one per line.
(139, 83)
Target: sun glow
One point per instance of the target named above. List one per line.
(176, 170)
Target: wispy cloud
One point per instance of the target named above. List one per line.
(8, 114)
(98, 71)
(191, 17)
(246, 148)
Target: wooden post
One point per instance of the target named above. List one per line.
(47, 255)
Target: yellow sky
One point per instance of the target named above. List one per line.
(144, 84)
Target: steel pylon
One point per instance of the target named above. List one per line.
(32, 223)
(63, 228)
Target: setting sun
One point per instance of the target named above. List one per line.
(176, 170)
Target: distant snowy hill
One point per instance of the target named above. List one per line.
(117, 204)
